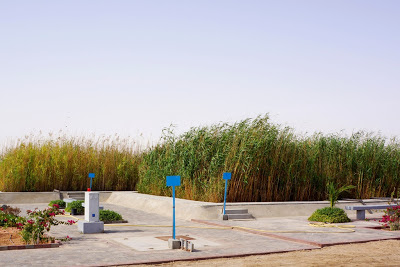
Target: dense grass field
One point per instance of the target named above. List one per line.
(268, 163)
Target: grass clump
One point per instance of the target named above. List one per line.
(39, 163)
(61, 203)
(109, 216)
(329, 215)
(77, 204)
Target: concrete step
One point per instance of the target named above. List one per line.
(241, 211)
(240, 216)
(76, 195)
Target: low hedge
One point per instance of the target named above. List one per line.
(77, 204)
(330, 215)
(109, 216)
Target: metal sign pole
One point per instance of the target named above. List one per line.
(226, 176)
(173, 213)
(173, 181)
(91, 176)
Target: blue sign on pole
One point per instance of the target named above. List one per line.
(226, 176)
(91, 176)
(173, 181)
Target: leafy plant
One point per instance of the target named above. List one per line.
(10, 210)
(77, 204)
(9, 219)
(61, 203)
(39, 222)
(330, 215)
(109, 216)
(334, 192)
(392, 218)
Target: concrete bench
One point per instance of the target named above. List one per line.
(361, 209)
(69, 200)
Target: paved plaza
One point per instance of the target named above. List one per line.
(142, 239)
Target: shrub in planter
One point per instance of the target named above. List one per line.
(109, 216)
(331, 215)
(59, 202)
(77, 204)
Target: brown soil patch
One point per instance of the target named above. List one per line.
(380, 253)
(10, 237)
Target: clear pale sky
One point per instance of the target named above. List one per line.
(132, 67)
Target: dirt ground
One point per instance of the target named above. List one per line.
(10, 237)
(381, 253)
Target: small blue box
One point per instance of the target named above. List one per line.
(227, 175)
(173, 180)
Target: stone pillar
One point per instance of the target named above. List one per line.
(91, 224)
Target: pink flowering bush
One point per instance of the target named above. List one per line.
(39, 222)
(9, 219)
(392, 218)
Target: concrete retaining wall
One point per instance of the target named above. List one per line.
(28, 197)
(39, 197)
(187, 209)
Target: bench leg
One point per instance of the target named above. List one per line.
(360, 214)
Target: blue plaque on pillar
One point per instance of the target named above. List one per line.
(227, 175)
(91, 175)
(173, 180)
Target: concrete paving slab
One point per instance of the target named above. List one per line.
(136, 242)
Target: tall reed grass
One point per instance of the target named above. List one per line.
(39, 163)
(269, 163)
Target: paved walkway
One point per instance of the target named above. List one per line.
(139, 243)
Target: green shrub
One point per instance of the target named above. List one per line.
(61, 203)
(77, 204)
(330, 215)
(109, 216)
(9, 219)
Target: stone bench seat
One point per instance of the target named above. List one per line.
(361, 209)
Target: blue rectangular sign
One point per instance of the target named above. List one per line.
(227, 175)
(91, 175)
(173, 180)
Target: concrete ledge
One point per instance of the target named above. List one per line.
(188, 209)
(28, 197)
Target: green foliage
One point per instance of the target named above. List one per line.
(9, 218)
(268, 163)
(329, 215)
(59, 202)
(109, 216)
(40, 163)
(334, 192)
(39, 222)
(77, 204)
